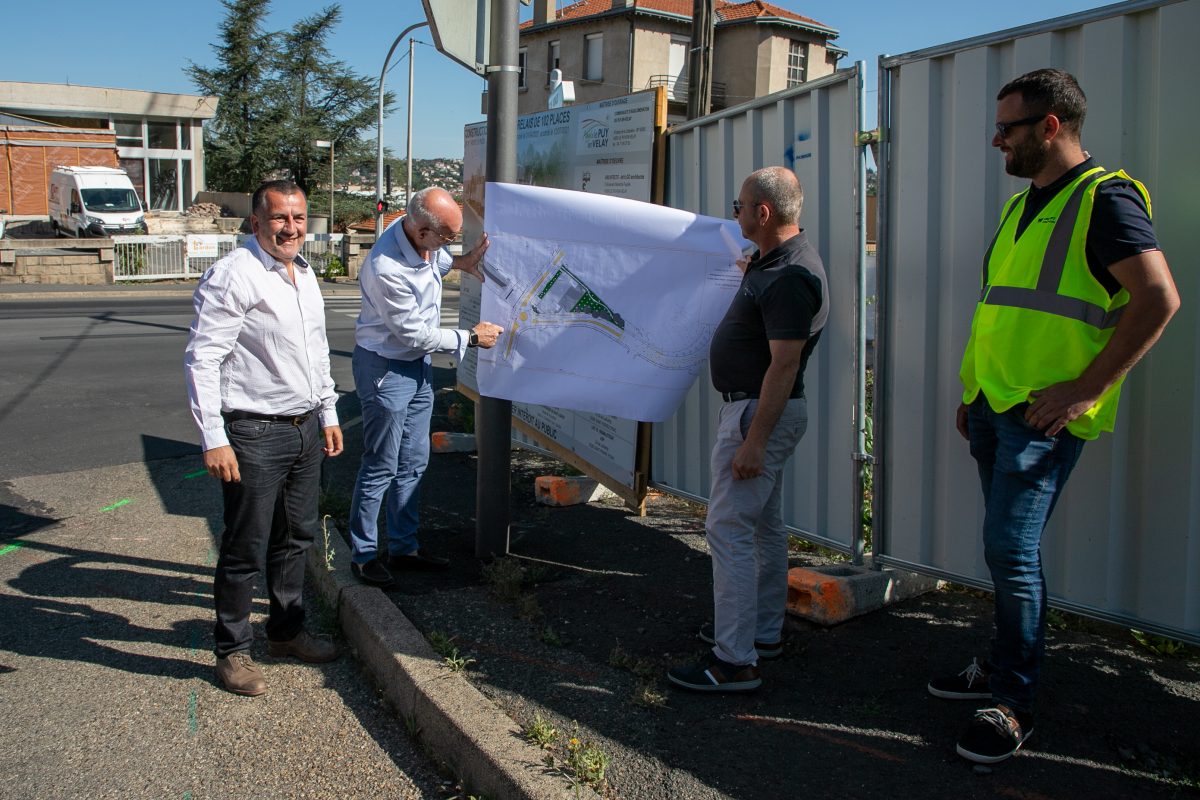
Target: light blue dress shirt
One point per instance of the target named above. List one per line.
(402, 299)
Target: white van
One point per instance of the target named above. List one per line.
(94, 201)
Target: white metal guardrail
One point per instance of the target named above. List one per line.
(160, 257)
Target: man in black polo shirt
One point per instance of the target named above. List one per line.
(757, 361)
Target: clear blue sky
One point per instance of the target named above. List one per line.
(138, 44)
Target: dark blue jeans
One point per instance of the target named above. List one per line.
(270, 522)
(1023, 473)
(397, 404)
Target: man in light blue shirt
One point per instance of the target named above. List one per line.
(397, 330)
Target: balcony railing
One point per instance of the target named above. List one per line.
(677, 89)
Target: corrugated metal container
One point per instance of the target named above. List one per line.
(810, 129)
(1124, 543)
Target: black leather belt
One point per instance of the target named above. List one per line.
(297, 420)
(733, 397)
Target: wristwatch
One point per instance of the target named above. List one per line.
(473, 339)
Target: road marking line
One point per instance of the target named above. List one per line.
(8, 548)
(117, 504)
(195, 474)
(193, 724)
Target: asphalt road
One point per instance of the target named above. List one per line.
(92, 383)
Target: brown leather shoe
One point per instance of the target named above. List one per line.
(239, 674)
(304, 647)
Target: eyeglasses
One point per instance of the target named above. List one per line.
(1004, 128)
(443, 238)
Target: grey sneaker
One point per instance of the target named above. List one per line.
(239, 674)
(970, 684)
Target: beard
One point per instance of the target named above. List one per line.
(1027, 158)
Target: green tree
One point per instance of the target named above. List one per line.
(238, 141)
(278, 93)
(325, 98)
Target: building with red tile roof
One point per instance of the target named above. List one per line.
(614, 47)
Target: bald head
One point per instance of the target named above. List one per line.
(780, 188)
(435, 208)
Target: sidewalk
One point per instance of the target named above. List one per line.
(106, 669)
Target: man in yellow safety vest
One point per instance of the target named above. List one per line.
(1075, 291)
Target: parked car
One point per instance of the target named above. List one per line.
(94, 201)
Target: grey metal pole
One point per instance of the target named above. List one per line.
(861, 456)
(408, 154)
(379, 126)
(493, 434)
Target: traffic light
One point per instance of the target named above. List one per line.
(381, 207)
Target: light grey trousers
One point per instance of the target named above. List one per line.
(746, 535)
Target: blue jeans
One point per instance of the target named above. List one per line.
(270, 522)
(1023, 473)
(397, 404)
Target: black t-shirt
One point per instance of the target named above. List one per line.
(782, 296)
(1120, 225)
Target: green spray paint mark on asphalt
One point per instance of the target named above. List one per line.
(187, 796)
(192, 724)
(8, 548)
(195, 474)
(117, 504)
(195, 643)
(211, 557)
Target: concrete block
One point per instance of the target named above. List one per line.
(553, 490)
(443, 442)
(829, 595)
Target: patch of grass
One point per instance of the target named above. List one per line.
(644, 668)
(1160, 645)
(441, 643)
(648, 695)
(550, 636)
(541, 732)
(798, 545)
(506, 578)
(457, 663)
(586, 760)
(328, 547)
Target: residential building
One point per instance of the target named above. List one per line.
(158, 137)
(614, 47)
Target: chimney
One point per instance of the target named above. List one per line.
(543, 11)
(617, 4)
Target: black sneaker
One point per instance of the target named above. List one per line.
(767, 652)
(715, 675)
(994, 735)
(372, 573)
(970, 684)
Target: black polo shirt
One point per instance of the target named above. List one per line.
(782, 296)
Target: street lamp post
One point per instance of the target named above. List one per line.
(324, 143)
(379, 129)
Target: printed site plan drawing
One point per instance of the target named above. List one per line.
(608, 304)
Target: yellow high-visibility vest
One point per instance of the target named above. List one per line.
(1042, 316)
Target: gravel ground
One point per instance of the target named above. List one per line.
(575, 634)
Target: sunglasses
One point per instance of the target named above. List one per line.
(1004, 128)
(738, 205)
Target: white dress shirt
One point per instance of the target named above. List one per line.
(401, 301)
(257, 344)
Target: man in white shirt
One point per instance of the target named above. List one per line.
(398, 328)
(257, 368)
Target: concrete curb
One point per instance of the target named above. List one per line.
(453, 719)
